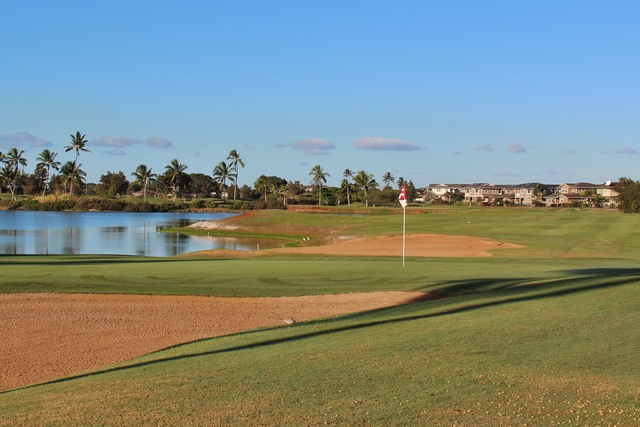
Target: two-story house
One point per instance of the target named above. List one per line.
(608, 192)
(580, 192)
(442, 191)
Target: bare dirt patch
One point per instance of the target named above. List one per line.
(47, 336)
(420, 245)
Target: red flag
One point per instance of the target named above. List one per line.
(402, 198)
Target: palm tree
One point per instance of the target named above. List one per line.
(13, 160)
(387, 178)
(348, 174)
(346, 187)
(144, 175)
(221, 173)
(8, 177)
(263, 183)
(78, 142)
(72, 173)
(235, 161)
(2, 178)
(175, 171)
(283, 189)
(47, 160)
(365, 182)
(401, 183)
(318, 177)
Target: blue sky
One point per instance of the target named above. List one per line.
(501, 92)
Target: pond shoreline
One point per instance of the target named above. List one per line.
(24, 232)
(102, 204)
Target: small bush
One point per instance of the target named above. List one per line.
(139, 207)
(198, 204)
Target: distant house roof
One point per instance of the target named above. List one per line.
(608, 184)
(448, 185)
(578, 184)
(572, 196)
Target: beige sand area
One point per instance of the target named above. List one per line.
(418, 245)
(47, 336)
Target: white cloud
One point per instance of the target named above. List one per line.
(483, 147)
(316, 152)
(23, 139)
(514, 147)
(377, 143)
(627, 150)
(110, 141)
(115, 152)
(158, 142)
(311, 147)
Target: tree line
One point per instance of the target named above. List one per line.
(51, 176)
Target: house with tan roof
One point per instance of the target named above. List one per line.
(444, 191)
(584, 194)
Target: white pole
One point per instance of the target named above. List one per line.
(404, 231)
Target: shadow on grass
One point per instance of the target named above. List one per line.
(506, 292)
(464, 287)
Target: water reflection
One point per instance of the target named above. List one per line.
(71, 239)
(122, 233)
(113, 229)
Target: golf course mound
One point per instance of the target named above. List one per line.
(417, 245)
(50, 335)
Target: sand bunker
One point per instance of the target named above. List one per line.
(419, 245)
(47, 336)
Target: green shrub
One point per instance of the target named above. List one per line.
(139, 207)
(198, 203)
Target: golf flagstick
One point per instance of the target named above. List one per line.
(402, 198)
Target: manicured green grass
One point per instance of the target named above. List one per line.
(274, 277)
(531, 352)
(546, 335)
(546, 233)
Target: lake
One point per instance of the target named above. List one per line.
(117, 233)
